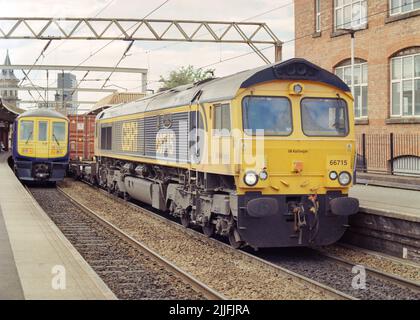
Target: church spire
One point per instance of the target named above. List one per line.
(7, 60)
(8, 74)
(9, 82)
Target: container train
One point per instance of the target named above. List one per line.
(264, 157)
(40, 146)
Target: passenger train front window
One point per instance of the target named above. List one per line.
(324, 117)
(272, 115)
(59, 131)
(26, 130)
(43, 131)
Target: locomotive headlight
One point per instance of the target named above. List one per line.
(263, 175)
(250, 178)
(333, 175)
(344, 178)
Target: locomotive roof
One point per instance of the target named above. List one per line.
(42, 112)
(226, 88)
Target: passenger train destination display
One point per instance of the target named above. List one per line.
(210, 179)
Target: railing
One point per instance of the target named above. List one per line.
(389, 153)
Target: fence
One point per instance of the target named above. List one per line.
(389, 153)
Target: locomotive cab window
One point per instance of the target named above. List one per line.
(222, 119)
(269, 116)
(26, 130)
(324, 117)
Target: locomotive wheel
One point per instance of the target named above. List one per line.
(233, 239)
(185, 218)
(208, 229)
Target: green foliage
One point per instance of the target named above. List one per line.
(185, 75)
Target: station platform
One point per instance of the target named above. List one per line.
(390, 202)
(37, 262)
(388, 221)
(389, 181)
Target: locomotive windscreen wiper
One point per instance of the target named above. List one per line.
(55, 138)
(29, 137)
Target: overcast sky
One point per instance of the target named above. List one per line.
(159, 57)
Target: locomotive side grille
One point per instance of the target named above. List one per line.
(181, 128)
(150, 131)
(117, 138)
(139, 137)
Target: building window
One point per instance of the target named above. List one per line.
(405, 85)
(317, 15)
(360, 92)
(403, 6)
(350, 13)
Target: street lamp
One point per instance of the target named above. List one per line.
(352, 31)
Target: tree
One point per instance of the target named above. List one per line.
(185, 75)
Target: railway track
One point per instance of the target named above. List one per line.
(328, 291)
(129, 268)
(398, 281)
(322, 269)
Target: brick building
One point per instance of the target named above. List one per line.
(387, 64)
(387, 52)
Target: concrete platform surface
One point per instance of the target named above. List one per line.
(36, 260)
(387, 180)
(390, 202)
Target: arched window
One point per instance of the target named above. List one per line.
(343, 71)
(405, 83)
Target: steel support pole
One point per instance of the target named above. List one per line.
(278, 52)
(144, 83)
(352, 62)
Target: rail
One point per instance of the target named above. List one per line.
(208, 292)
(314, 285)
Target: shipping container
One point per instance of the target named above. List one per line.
(82, 137)
(82, 127)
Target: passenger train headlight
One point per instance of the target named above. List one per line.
(344, 178)
(297, 88)
(263, 175)
(251, 178)
(333, 175)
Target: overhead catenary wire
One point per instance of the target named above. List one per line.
(26, 76)
(292, 40)
(154, 10)
(244, 20)
(124, 55)
(95, 16)
(107, 44)
(301, 37)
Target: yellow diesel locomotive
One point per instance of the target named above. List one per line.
(264, 157)
(40, 146)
